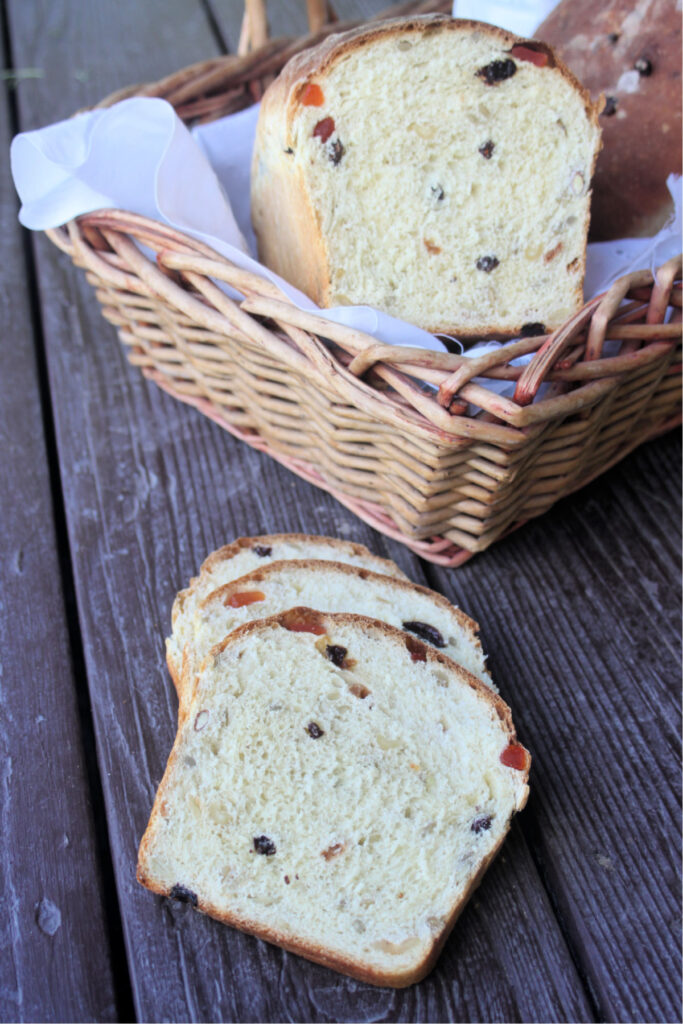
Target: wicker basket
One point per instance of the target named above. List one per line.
(347, 413)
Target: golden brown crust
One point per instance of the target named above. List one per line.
(229, 551)
(312, 951)
(317, 566)
(302, 257)
(321, 58)
(268, 539)
(184, 685)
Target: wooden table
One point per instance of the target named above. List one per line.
(113, 493)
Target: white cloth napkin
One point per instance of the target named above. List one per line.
(138, 156)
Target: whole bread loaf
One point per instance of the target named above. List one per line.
(630, 50)
(345, 813)
(246, 554)
(331, 587)
(436, 169)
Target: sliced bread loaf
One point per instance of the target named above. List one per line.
(248, 553)
(436, 169)
(344, 812)
(332, 587)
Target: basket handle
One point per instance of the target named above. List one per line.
(254, 32)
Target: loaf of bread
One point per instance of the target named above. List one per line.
(246, 554)
(331, 587)
(342, 811)
(631, 52)
(436, 169)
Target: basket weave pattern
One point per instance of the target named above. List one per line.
(351, 415)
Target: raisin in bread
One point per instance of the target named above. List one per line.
(436, 169)
(630, 51)
(331, 587)
(342, 811)
(248, 553)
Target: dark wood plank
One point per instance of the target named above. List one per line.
(150, 488)
(174, 487)
(55, 956)
(582, 620)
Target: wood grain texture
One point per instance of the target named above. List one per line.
(54, 950)
(150, 488)
(582, 614)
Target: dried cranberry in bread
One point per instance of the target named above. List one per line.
(248, 553)
(630, 50)
(344, 813)
(436, 169)
(331, 587)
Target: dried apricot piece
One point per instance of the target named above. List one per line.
(418, 651)
(244, 597)
(332, 851)
(530, 54)
(303, 620)
(312, 95)
(514, 756)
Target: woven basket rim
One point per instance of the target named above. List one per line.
(571, 379)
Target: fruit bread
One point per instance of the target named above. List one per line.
(631, 52)
(436, 169)
(246, 554)
(343, 812)
(332, 587)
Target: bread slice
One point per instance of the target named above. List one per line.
(436, 169)
(332, 587)
(248, 553)
(343, 812)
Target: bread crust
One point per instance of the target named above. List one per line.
(293, 244)
(272, 568)
(313, 951)
(359, 550)
(331, 619)
(229, 551)
(183, 683)
(337, 961)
